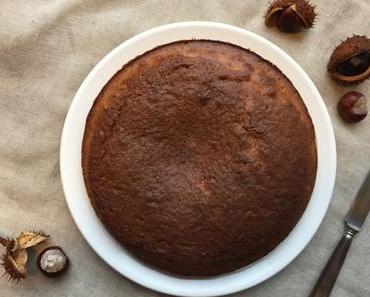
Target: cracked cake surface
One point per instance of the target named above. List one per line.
(199, 157)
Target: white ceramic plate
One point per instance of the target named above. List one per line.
(103, 243)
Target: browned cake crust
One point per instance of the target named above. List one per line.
(199, 157)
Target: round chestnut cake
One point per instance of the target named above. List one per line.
(199, 157)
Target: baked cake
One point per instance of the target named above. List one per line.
(199, 157)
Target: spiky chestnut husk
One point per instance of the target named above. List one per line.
(352, 47)
(290, 16)
(15, 258)
(14, 264)
(29, 239)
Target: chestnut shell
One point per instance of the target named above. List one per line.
(290, 16)
(14, 270)
(349, 64)
(52, 274)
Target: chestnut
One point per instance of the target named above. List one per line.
(352, 107)
(52, 261)
(355, 65)
(290, 16)
(350, 62)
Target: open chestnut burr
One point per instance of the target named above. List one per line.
(350, 62)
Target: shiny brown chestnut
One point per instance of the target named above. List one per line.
(352, 107)
(355, 65)
(52, 261)
(350, 62)
(290, 16)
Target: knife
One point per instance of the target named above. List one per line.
(354, 221)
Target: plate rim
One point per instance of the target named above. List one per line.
(151, 278)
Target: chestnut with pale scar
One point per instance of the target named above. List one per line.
(352, 107)
(53, 261)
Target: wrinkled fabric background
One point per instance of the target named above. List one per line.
(46, 50)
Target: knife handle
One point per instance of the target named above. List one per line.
(329, 275)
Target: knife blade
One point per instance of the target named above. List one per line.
(360, 206)
(354, 221)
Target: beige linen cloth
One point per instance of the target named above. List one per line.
(47, 47)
